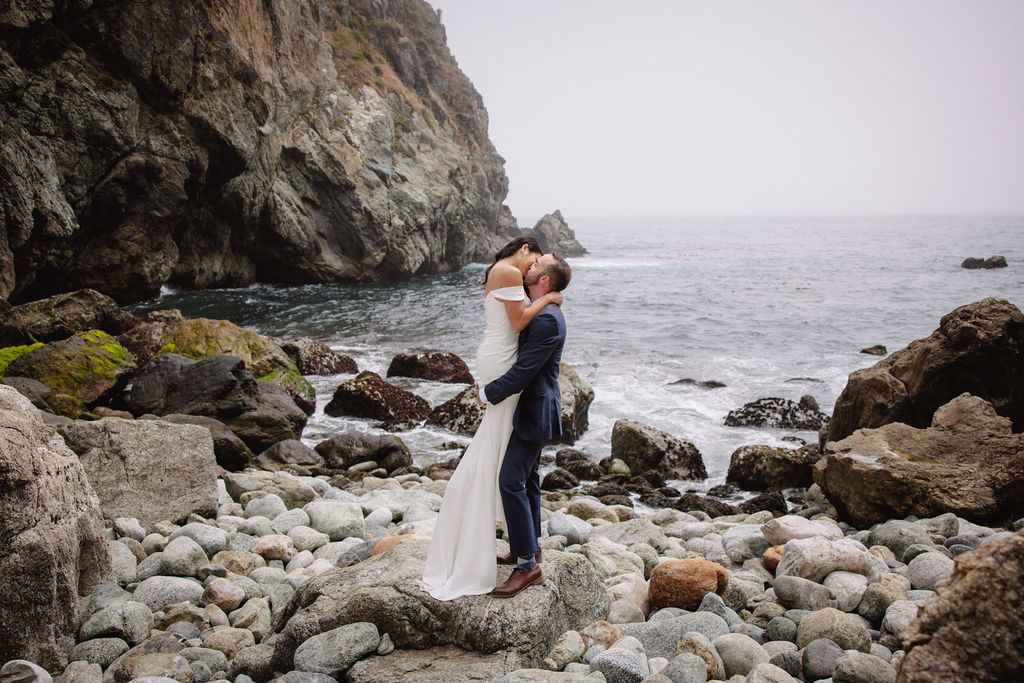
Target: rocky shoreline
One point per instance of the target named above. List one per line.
(170, 525)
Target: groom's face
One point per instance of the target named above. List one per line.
(537, 270)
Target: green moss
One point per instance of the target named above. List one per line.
(292, 380)
(7, 355)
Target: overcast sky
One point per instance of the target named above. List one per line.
(680, 107)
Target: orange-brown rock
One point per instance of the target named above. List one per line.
(772, 557)
(600, 633)
(389, 542)
(695, 647)
(684, 583)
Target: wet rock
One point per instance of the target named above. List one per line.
(367, 395)
(554, 234)
(757, 468)
(974, 263)
(559, 479)
(146, 338)
(351, 448)
(876, 350)
(779, 413)
(576, 397)
(316, 358)
(286, 453)
(435, 366)
(644, 448)
(63, 315)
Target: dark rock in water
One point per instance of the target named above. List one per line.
(58, 317)
(876, 350)
(970, 630)
(692, 501)
(35, 391)
(367, 395)
(723, 490)
(219, 387)
(807, 380)
(317, 169)
(565, 455)
(972, 263)
(559, 480)
(645, 448)
(606, 488)
(616, 499)
(316, 358)
(584, 469)
(779, 413)
(231, 452)
(90, 366)
(968, 462)
(706, 384)
(149, 336)
(460, 414)
(757, 468)
(54, 550)
(577, 395)
(773, 501)
(554, 234)
(435, 366)
(385, 590)
(288, 452)
(978, 348)
(351, 448)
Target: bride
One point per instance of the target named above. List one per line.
(461, 560)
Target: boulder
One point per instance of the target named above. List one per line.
(54, 549)
(147, 469)
(968, 462)
(63, 315)
(780, 413)
(34, 390)
(974, 263)
(316, 358)
(145, 339)
(815, 558)
(757, 468)
(435, 366)
(789, 527)
(554, 234)
(286, 453)
(89, 366)
(219, 387)
(438, 664)
(645, 448)
(367, 395)
(978, 348)
(231, 452)
(351, 448)
(289, 488)
(460, 414)
(971, 630)
(559, 480)
(576, 396)
(660, 637)
(684, 583)
(385, 590)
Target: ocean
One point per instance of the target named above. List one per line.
(771, 306)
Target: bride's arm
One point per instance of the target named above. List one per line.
(519, 314)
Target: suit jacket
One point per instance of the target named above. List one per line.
(538, 416)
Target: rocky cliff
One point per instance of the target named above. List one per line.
(212, 143)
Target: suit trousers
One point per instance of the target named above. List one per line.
(519, 483)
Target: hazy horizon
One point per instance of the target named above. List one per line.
(750, 108)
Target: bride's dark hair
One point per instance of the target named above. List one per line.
(511, 248)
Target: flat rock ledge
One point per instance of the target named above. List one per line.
(386, 591)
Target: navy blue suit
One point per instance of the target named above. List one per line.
(538, 418)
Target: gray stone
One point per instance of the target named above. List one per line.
(102, 651)
(848, 589)
(305, 538)
(660, 637)
(769, 673)
(794, 592)
(788, 661)
(338, 519)
(130, 621)
(818, 659)
(336, 650)
(210, 538)
(686, 668)
(82, 672)
(182, 557)
(927, 569)
(382, 516)
(842, 628)
(286, 521)
(124, 564)
(575, 530)
(158, 591)
(899, 616)
(147, 469)
(637, 530)
(130, 527)
(744, 542)
(305, 677)
(711, 602)
(781, 628)
(740, 653)
(21, 671)
(618, 666)
(152, 566)
(857, 667)
(269, 506)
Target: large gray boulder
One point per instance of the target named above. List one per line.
(53, 546)
(385, 590)
(645, 448)
(147, 469)
(554, 234)
(978, 348)
(968, 462)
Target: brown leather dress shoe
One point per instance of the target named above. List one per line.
(518, 582)
(509, 558)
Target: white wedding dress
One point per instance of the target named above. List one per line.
(461, 560)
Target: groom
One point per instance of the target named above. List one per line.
(538, 418)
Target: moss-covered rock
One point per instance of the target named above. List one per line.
(89, 366)
(202, 337)
(8, 354)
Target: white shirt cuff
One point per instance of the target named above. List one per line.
(482, 395)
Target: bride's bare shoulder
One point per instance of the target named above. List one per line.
(504, 275)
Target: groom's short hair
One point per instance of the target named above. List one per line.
(559, 273)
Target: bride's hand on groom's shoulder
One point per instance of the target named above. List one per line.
(557, 298)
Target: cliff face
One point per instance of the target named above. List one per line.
(220, 142)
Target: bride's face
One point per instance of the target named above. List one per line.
(526, 260)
